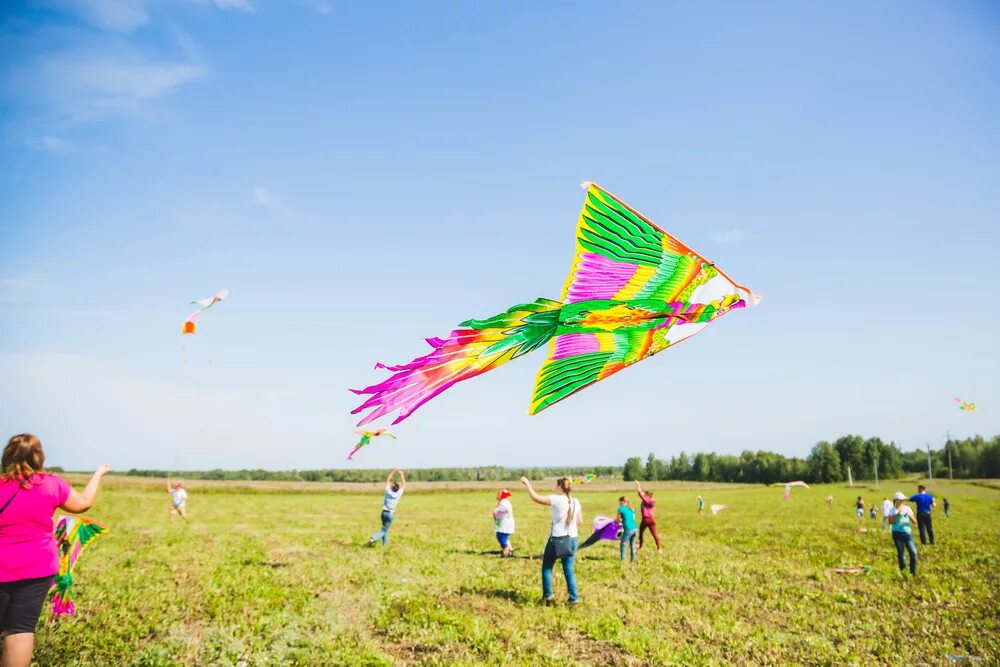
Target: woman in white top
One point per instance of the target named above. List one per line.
(503, 521)
(567, 516)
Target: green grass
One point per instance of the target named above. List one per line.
(276, 578)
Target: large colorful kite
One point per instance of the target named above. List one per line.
(73, 535)
(633, 290)
(366, 438)
(190, 327)
(968, 406)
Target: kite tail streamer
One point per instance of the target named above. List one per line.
(477, 347)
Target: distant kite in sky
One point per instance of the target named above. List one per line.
(366, 438)
(968, 406)
(73, 534)
(633, 290)
(189, 326)
(585, 479)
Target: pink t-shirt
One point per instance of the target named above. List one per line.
(27, 544)
(647, 508)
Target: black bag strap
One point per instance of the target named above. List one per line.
(11, 499)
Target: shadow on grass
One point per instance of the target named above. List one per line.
(494, 553)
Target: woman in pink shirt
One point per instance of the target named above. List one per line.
(28, 498)
(648, 519)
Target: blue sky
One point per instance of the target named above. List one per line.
(364, 175)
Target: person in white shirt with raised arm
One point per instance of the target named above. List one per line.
(567, 516)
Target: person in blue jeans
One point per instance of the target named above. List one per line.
(924, 502)
(901, 518)
(567, 515)
(626, 515)
(393, 492)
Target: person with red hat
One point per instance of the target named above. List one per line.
(178, 500)
(503, 521)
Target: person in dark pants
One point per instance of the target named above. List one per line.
(947, 507)
(900, 518)
(924, 502)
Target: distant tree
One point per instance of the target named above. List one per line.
(653, 468)
(633, 469)
(824, 463)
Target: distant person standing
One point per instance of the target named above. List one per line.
(567, 515)
(873, 513)
(901, 517)
(701, 506)
(178, 501)
(947, 507)
(503, 521)
(647, 508)
(393, 492)
(886, 508)
(626, 515)
(859, 508)
(924, 502)
(829, 502)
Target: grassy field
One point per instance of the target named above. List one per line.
(275, 574)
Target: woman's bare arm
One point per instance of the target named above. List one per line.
(541, 500)
(81, 502)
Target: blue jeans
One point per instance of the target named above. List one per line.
(630, 538)
(503, 539)
(549, 560)
(904, 542)
(384, 533)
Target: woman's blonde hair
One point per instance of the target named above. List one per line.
(566, 484)
(23, 458)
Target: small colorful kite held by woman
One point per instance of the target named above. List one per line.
(366, 438)
(968, 406)
(73, 535)
(633, 290)
(585, 479)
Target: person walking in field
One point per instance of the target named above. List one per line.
(567, 516)
(901, 518)
(873, 513)
(829, 502)
(626, 515)
(393, 492)
(924, 502)
(701, 506)
(503, 521)
(886, 508)
(859, 508)
(647, 508)
(178, 501)
(29, 557)
(947, 507)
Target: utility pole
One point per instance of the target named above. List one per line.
(850, 480)
(947, 443)
(930, 475)
(875, 456)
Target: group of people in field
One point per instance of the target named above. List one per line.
(29, 497)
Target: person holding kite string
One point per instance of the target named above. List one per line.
(627, 516)
(29, 557)
(567, 516)
(901, 518)
(649, 519)
(178, 501)
(393, 492)
(503, 521)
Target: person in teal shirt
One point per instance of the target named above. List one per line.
(901, 518)
(626, 515)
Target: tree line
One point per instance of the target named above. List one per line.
(848, 457)
(483, 474)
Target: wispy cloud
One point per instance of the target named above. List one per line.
(51, 144)
(264, 197)
(94, 86)
(728, 235)
(238, 5)
(15, 289)
(111, 15)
